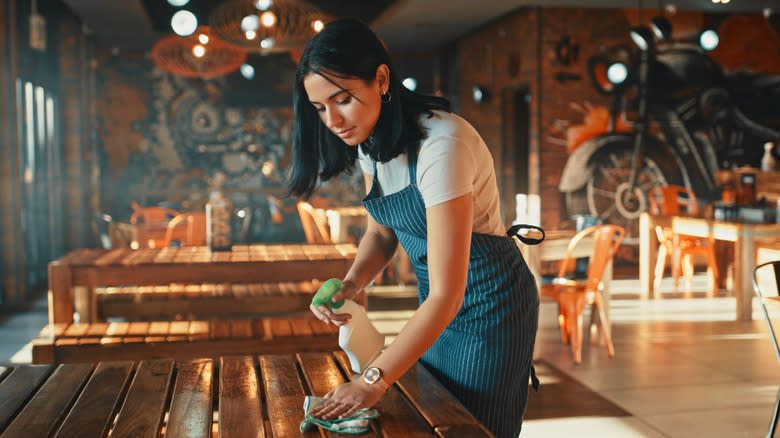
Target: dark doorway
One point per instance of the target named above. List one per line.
(515, 148)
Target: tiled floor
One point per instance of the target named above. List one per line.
(683, 367)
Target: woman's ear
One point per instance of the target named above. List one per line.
(383, 77)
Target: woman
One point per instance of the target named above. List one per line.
(431, 186)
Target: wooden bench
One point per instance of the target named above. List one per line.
(283, 299)
(75, 277)
(67, 343)
(227, 397)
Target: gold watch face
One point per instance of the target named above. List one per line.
(373, 375)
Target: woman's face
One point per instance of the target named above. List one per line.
(348, 107)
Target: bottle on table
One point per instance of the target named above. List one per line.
(218, 227)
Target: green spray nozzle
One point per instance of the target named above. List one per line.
(324, 296)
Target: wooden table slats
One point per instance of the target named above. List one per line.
(17, 387)
(240, 407)
(257, 396)
(283, 393)
(92, 415)
(191, 409)
(141, 415)
(51, 402)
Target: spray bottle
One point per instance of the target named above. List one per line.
(358, 338)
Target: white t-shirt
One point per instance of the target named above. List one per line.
(453, 161)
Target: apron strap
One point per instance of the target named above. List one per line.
(514, 230)
(534, 379)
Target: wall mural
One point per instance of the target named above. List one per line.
(166, 137)
(693, 112)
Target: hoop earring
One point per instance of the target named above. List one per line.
(386, 98)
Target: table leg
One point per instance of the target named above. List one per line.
(648, 252)
(744, 261)
(60, 294)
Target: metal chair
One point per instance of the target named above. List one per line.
(314, 226)
(188, 229)
(766, 276)
(572, 296)
(152, 214)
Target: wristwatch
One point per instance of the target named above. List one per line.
(373, 376)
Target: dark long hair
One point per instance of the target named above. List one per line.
(347, 48)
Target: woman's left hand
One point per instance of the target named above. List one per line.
(344, 400)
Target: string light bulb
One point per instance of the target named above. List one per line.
(268, 19)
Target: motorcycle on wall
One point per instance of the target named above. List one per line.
(687, 120)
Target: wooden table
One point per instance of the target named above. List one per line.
(232, 396)
(87, 269)
(743, 235)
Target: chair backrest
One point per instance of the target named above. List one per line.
(766, 284)
(606, 240)
(673, 200)
(189, 229)
(314, 226)
(150, 215)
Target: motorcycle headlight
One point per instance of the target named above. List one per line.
(617, 73)
(709, 39)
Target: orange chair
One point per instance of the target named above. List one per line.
(572, 296)
(314, 225)
(150, 215)
(675, 200)
(189, 229)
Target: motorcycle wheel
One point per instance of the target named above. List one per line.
(608, 196)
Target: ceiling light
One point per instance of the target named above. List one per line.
(642, 37)
(178, 3)
(662, 28)
(184, 22)
(410, 83)
(267, 43)
(709, 39)
(479, 94)
(263, 5)
(203, 38)
(198, 50)
(268, 18)
(250, 22)
(247, 71)
(288, 23)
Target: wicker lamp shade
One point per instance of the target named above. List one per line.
(291, 25)
(176, 55)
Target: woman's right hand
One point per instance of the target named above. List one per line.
(325, 314)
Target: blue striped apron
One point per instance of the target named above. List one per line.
(484, 356)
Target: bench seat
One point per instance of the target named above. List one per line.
(205, 300)
(68, 343)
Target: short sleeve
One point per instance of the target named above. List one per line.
(445, 170)
(366, 163)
